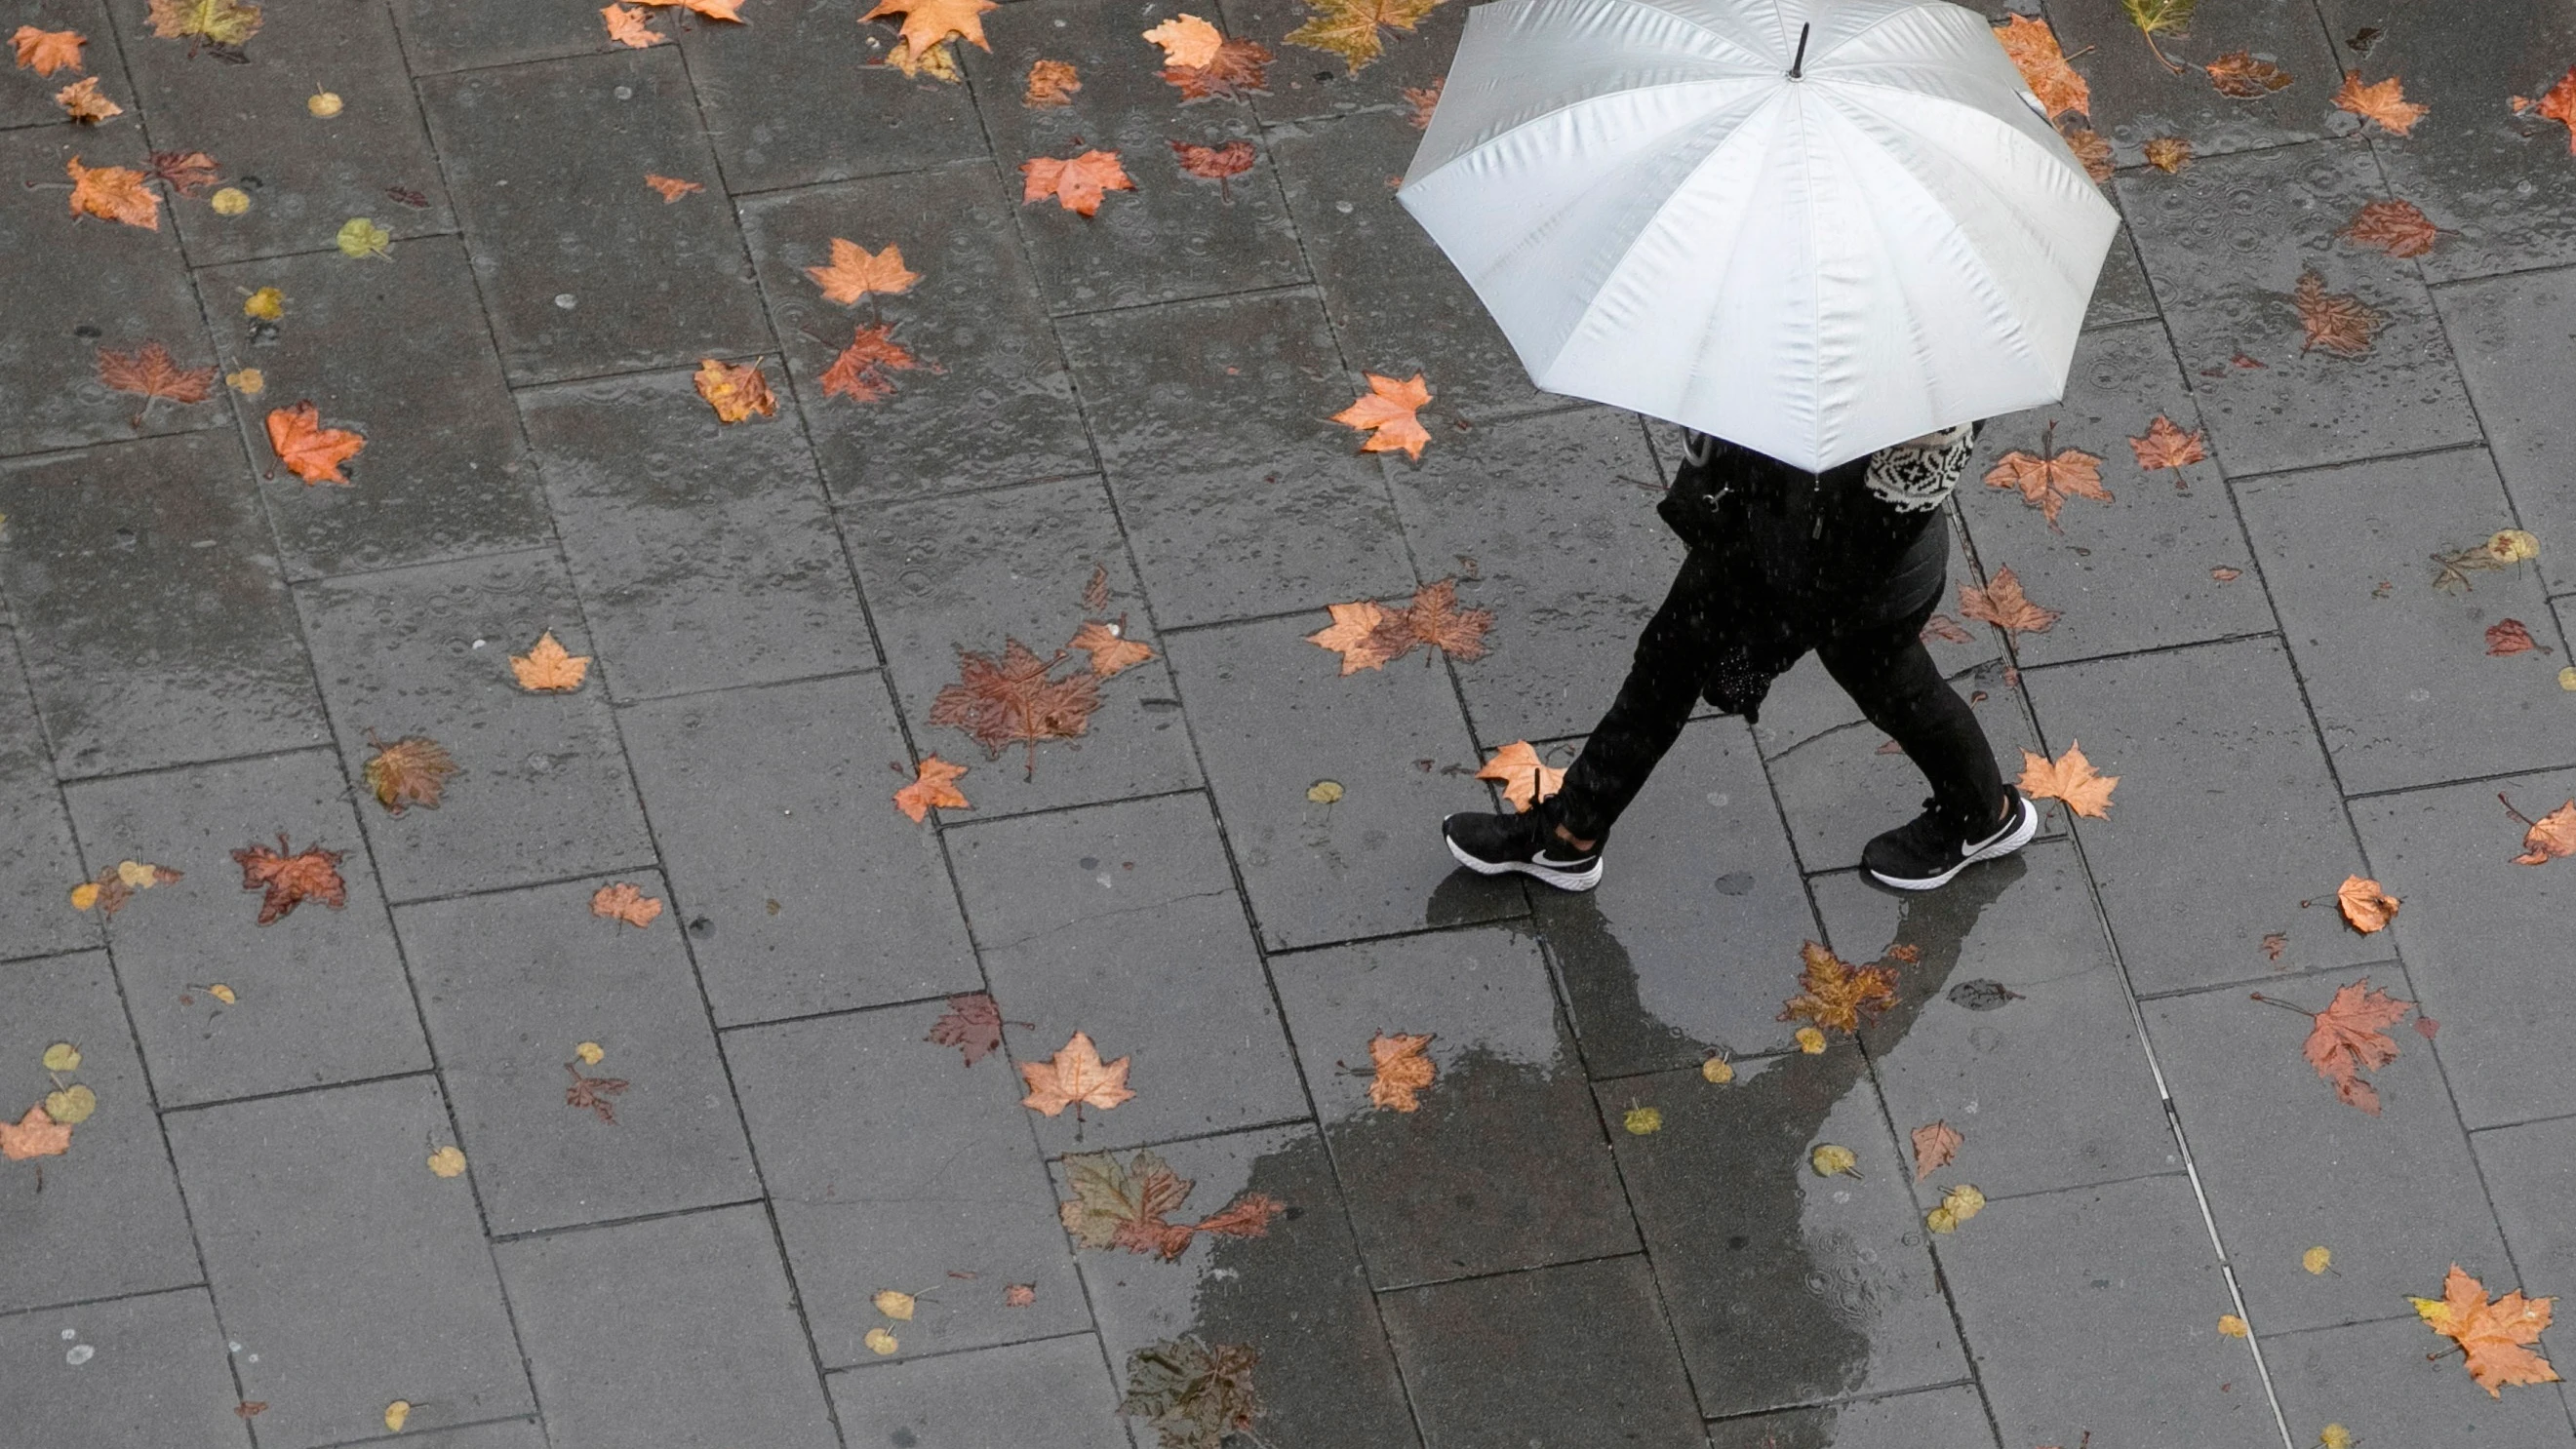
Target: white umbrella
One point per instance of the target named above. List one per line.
(1670, 206)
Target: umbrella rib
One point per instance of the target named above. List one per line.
(1516, 127)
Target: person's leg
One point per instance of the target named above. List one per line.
(1972, 814)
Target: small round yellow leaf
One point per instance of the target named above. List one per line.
(72, 1105)
(2316, 1260)
(397, 1414)
(84, 895)
(360, 237)
(1718, 1070)
(446, 1162)
(880, 1341)
(249, 381)
(231, 201)
(2567, 677)
(62, 1056)
(324, 104)
(2513, 545)
(267, 304)
(222, 993)
(894, 1304)
(1324, 792)
(1829, 1159)
(135, 874)
(1941, 1220)
(1964, 1202)
(1811, 1041)
(1642, 1120)
(589, 1052)
(2233, 1326)
(2335, 1436)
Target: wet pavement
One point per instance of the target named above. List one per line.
(1579, 1238)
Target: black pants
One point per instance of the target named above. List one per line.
(1883, 667)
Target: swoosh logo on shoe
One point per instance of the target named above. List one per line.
(1543, 858)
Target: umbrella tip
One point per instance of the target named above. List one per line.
(1799, 63)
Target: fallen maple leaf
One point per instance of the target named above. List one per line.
(593, 1093)
(2033, 47)
(226, 23)
(1019, 1295)
(2335, 321)
(1834, 993)
(548, 667)
(2168, 446)
(81, 101)
(1110, 649)
(290, 878)
(2380, 101)
(1238, 68)
(1525, 778)
(1075, 1075)
(735, 391)
(935, 784)
(2002, 603)
(1421, 101)
(2550, 836)
(1399, 1070)
(1051, 83)
(2071, 778)
(1214, 163)
(1192, 1395)
(1935, 1144)
(2238, 76)
(2509, 636)
(1944, 628)
(2346, 1039)
(1349, 28)
(2399, 228)
(1016, 698)
(854, 272)
(623, 902)
(859, 372)
(1125, 1207)
(627, 27)
(1386, 414)
(309, 450)
(410, 771)
(1357, 634)
(2167, 154)
(2364, 904)
(1368, 635)
(1077, 182)
(2492, 1334)
(711, 9)
(47, 51)
(2047, 482)
(185, 172)
(972, 1024)
(150, 372)
(2090, 148)
(114, 193)
(1247, 1216)
(2559, 105)
(671, 187)
(34, 1135)
(1186, 40)
(926, 23)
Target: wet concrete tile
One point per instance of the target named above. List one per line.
(678, 1330)
(149, 609)
(974, 572)
(2308, 1170)
(1297, 1295)
(1784, 1287)
(2121, 293)
(986, 1396)
(501, 1434)
(1397, 304)
(397, 349)
(1952, 1418)
(2050, 1088)
(2090, 1275)
(1122, 921)
(1549, 522)
(312, 174)
(1504, 1164)
(801, 94)
(704, 553)
(992, 403)
(107, 1220)
(2135, 573)
(443, 35)
(322, 995)
(1577, 1353)
(782, 797)
(1305, 82)
(2375, 1380)
(1701, 857)
(130, 288)
(1239, 499)
(651, 283)
(2515, 336)
(2474, 930)
(890, 1165)
(39, 861)
(355, 1275)
(541, 791)
(154, 1375)
(2225, 242)
(511, 983)
(1174, 235)
(2135, 97)
(2197, 735)
(2529, 1171)
(2396, 667)
(1273, 717)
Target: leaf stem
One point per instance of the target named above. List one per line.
(2284, 1005)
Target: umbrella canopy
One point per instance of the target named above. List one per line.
(1662, 217)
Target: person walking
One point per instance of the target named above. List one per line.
(1848, 563)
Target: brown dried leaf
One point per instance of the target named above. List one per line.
(290, 878)
(2090, 148)
(2167, 154)
(1238, 68)
(1935, 1144)
(2550, 836)
(1386, 412)
(972, 1024)
(672, 188)
(859, 373)
(2399, 228)
(1835, 994)
(735, 391)
(855, 272)
(2493, 1335)
(1075, 1074)
(1214, 163)
(2509, 636)
(82, 102)
(34, 1135)
(2238, 76)
(1016, 699)
(2071, 778)
(1110, 649)
(934, 784)
(2346, 1039)
(2002, 603)
(1526, 779)
(2364, 904)
(185, 172)
(1400, 1070)
(2168, 446)
(2034, 49)
(150, 372)
(47, 51)
(2335, 321)
(2046, 483)
(548, 667)
(410, 771)
(623, 902)
(593, 1093)
(1051, 83)
(1076, 182)
(2381, 101)
(1421, 101)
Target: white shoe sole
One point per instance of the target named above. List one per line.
(2001, 844)
(1564, 880)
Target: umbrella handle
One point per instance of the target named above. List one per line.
(1799, 62)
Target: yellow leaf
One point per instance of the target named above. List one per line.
(894, 1305)
(2233, 1326)
(397, 1414)
(62, 1056)
(1324, 792)
(880, 1341)
(1957, 1206)
(323, 104)
(2567, 678)
(360, 237)
(590, 1053)
(2513, 545)
(249, 381)
(231, 201)
(84, 895)
(136, 874)
(267, 304)
(2316, 1260)
(1642, 1120)
(446, 1162)
(1829, 1159)
(1718, 1070)
(72, 1105)
(222, 993)
(2335, 1436)
(1811, 1041)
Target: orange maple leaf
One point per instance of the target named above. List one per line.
(291, 877)
(2238, 76)
(2168, 446)
(2364, 904)
(1215, 163)
(2381, 101)
(2560, 105)
(1399, 1070)
(2167, 154)
(859, 373)
(623, 902)
(1051, 83)
(2034, 49)
(735, 392)
(47, 51)
(1186, 40)
(934, 783)
(627, 27)
(2492, 1334)
(1935, 1145)
(1236, 69)
(671, 187)
(34, 1135)
(1110, 649)
(2550, 836)
(2002, 604)
(1355, 634)
(1421, 101)
(115, 193)
(711, 9)
(2089, 148)
(928, 22)
(1016, 698)
(411, 771)
(549, 668)
(1073, 1075)
(309, 450)
(2346, 1039)
(854, 272)
(81, 101)
(1386, 414)
(1526, 779)
(151, 372)
(2071, 778)
(1833, 993)
(1367, 635)
(2046, 483)
(2399, 228)
(2335, 321)
(1077, 182)
(1349, 28)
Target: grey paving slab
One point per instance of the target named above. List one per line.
(2376, 1381)
(2133, 574)
(106, 1218)
(442, 35)
(1952, 1418)
(398, 350)
(2475, 930)
(1240, 496)
(148, 607)
(511, 984)
(2121, 293)
(499, 1434)
(356, 1275)
(1397, 304)
(2135, 98)
(1577, 1353)
(1296, 1296)
(131, 288)
(2516, 339)
(1305, 82)
(2396, 667)
(1122, 921)
(311, 174)
(1676, 954)
(986, 1396)
(31, 103)
(1271, 717)
(991, 401)
(1174, 235)
(891, 1165)
(651, 283)
(39, 862)
(674, 1330)
(154, 1375)
(2087, 1275)
(2529, 1170)
(2309, 1171)
(704, 553)
(2225, 242)
(801, 94)
(1549, 522)
(2195, 735)
(1504, 1164)
(975, 572)
(541, 791)
(1784, 1287)
(321, 995)
(785, 795)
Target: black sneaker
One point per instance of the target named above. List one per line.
(1527, 842)
(1926, 852)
